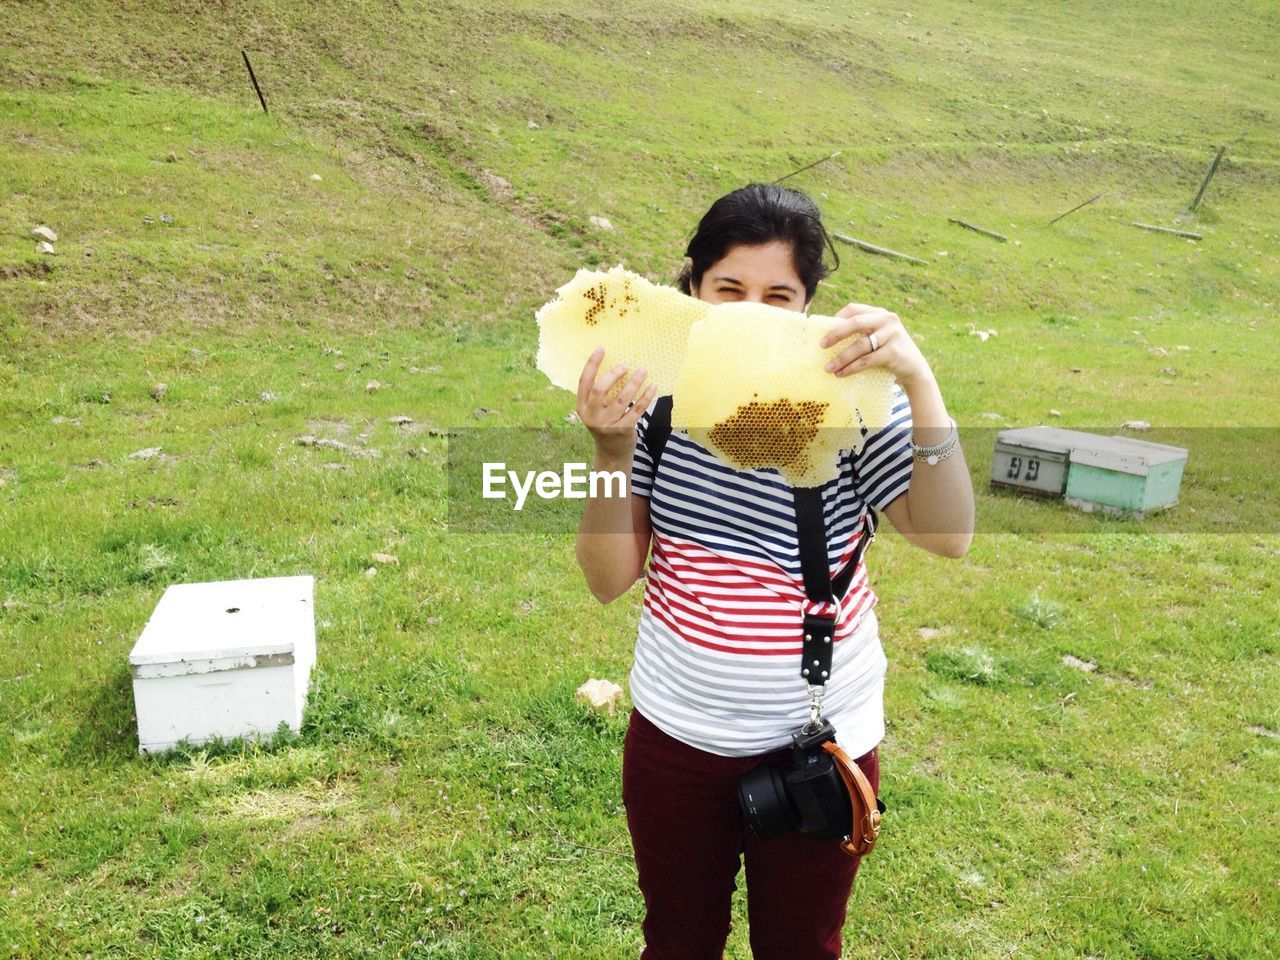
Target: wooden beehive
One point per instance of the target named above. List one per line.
(1121, 475)
(1034, 460)
(226, 659)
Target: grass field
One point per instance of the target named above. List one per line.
(424, 180)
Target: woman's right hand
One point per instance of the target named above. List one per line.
(612, 423)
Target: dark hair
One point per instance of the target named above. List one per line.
(755, 214)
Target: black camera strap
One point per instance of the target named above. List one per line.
(819, 631)
(811, 527)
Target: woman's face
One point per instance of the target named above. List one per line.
(763, 273)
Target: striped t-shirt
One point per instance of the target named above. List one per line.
(717, 660)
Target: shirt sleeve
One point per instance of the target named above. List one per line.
(883, 467)
(642, 463)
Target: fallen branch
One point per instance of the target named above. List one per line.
(986, 233)
(882, 251)
(261, 99)
(1176, 233)
(807, 167)
(1072, 210)
(1057, 703)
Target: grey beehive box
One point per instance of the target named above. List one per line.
(226, 659)
(1034, 459)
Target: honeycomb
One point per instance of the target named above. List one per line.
(747, 379)
(753, 390)
(639, 323)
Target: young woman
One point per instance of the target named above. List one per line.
(716, 683)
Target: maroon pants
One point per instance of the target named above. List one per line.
(690, 838)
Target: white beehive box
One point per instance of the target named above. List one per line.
(225, 659)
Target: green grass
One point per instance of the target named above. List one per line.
(446, 797)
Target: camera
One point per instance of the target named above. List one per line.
(809, 796)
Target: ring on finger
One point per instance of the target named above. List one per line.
(875, 343)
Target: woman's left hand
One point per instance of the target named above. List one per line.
(895, 348)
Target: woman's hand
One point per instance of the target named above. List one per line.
(895, 349)
(612, 422)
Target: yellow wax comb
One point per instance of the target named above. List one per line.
(639, 323)
(746, 379)
(753, 390)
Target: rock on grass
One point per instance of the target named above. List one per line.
(1087, 666)
(602, 696)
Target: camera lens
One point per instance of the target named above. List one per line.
(762, 792)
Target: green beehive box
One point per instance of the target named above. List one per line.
(1121, 475)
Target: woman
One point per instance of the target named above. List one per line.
(715, 683)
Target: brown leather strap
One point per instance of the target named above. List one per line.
(866, 814)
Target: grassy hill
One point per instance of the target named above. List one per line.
(424, 180)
